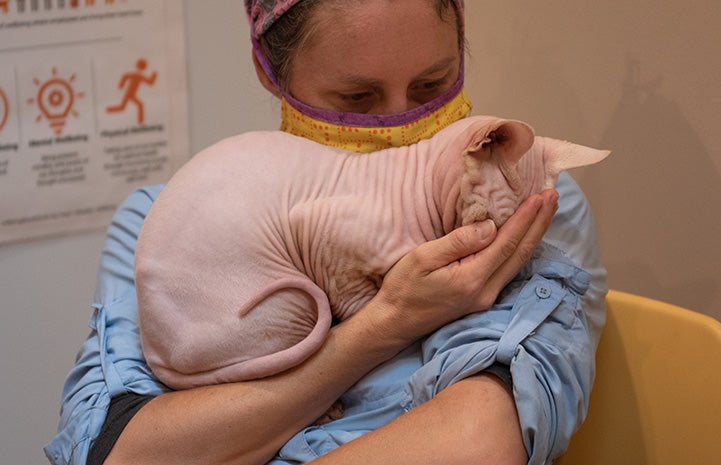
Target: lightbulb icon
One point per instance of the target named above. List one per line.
(56, 99)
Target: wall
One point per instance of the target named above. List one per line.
(629, 76)
(643, 79)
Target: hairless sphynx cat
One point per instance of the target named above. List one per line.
(260, 241)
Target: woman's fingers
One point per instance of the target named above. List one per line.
(496, 265)
(525, 234)
(455, 246)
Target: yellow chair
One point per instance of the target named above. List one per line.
(657, 395)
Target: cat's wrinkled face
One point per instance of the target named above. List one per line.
(490, 187)
(506, 164)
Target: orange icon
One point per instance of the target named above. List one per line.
(131, 81)
(56, 99)
(4, 7)
(3, 109)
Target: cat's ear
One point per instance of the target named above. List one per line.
(561, 155)
(511, 139)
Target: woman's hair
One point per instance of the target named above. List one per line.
(292, 31)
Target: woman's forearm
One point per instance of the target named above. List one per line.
(246, 423)
(472, 422)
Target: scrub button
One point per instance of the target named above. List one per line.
(543, 292)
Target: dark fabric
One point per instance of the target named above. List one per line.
(122, 409)
(503, 372)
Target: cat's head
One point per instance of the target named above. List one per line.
(504, 163)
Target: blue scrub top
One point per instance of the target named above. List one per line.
(545, 327)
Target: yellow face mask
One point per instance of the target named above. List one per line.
(367, 137)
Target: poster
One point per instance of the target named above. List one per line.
(93, 104)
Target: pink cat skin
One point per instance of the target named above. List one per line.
(259, 241)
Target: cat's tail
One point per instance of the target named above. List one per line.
(282, 360)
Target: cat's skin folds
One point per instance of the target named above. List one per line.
(260, 240)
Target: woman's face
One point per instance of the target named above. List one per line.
(376, 56)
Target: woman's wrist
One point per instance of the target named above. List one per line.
(387, 326)
(371, 336)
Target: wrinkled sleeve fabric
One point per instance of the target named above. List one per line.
(544, 327)
(110, 362)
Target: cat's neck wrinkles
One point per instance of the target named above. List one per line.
(446, 174)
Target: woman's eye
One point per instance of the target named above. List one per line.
(357, 97)
(426, 91)
(431, 85)
(356, 102)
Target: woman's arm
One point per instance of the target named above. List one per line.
(472, 422)
(248, 422)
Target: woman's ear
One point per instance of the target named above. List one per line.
(263, 76)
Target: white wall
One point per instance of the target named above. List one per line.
(632, 76)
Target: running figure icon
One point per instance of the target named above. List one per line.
(131, 82)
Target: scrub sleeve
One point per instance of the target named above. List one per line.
(110, 363)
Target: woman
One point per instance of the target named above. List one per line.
(373, 64)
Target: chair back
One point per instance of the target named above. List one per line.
(657, 395)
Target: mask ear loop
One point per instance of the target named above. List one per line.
(260, 56)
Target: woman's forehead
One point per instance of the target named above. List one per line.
(379, 37)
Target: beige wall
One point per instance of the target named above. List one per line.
(642, 78)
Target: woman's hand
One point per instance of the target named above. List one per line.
(460, 273)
